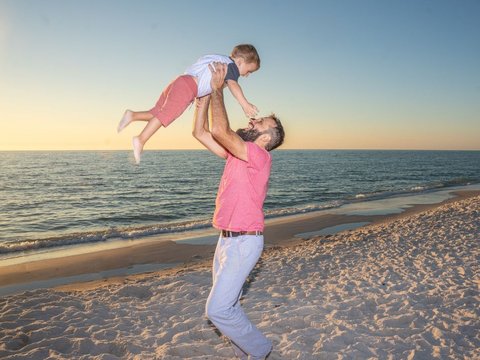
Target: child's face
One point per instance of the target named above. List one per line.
(246, 68)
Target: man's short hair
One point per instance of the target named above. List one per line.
(277, 134)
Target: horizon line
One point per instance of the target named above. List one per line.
(190, 149)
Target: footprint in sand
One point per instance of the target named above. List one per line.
(17, 342)
(139, 292)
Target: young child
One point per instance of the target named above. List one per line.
(182, 91)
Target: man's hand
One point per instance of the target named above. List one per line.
(219, 71)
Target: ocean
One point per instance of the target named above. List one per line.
(53, 199)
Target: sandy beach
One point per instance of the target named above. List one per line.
(406, 287)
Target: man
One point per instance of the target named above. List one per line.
(238, 213)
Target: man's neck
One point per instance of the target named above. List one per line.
(260, 144)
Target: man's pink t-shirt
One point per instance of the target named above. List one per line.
(242, 191)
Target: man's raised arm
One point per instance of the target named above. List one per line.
(200, 128)
(220, 129)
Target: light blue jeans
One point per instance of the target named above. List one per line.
(234, 259)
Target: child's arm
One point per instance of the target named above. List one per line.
(249, 109)
(201, 130)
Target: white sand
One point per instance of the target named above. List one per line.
(408, 289)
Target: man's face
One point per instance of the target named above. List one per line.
(255, 128)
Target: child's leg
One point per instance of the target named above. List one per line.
(141, 115)
(139, 141)
(172, 103)
(129, 116)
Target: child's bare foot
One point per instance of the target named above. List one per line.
(125, 121)
(137, 149)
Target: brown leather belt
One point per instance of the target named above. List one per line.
(226, 233)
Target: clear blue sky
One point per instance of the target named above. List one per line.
(340, 74)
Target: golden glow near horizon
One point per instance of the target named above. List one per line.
(75, 133)
(352, 81)
(50, 128)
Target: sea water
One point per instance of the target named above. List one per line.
(52, 199)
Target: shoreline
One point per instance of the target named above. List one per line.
(158, 253)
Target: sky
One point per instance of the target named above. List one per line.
(340, 74)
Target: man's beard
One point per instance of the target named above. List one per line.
(248, 134)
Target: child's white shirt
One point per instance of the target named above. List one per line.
(201, 71)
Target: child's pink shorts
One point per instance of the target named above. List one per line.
(175, 99)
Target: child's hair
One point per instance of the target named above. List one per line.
(247, 52)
